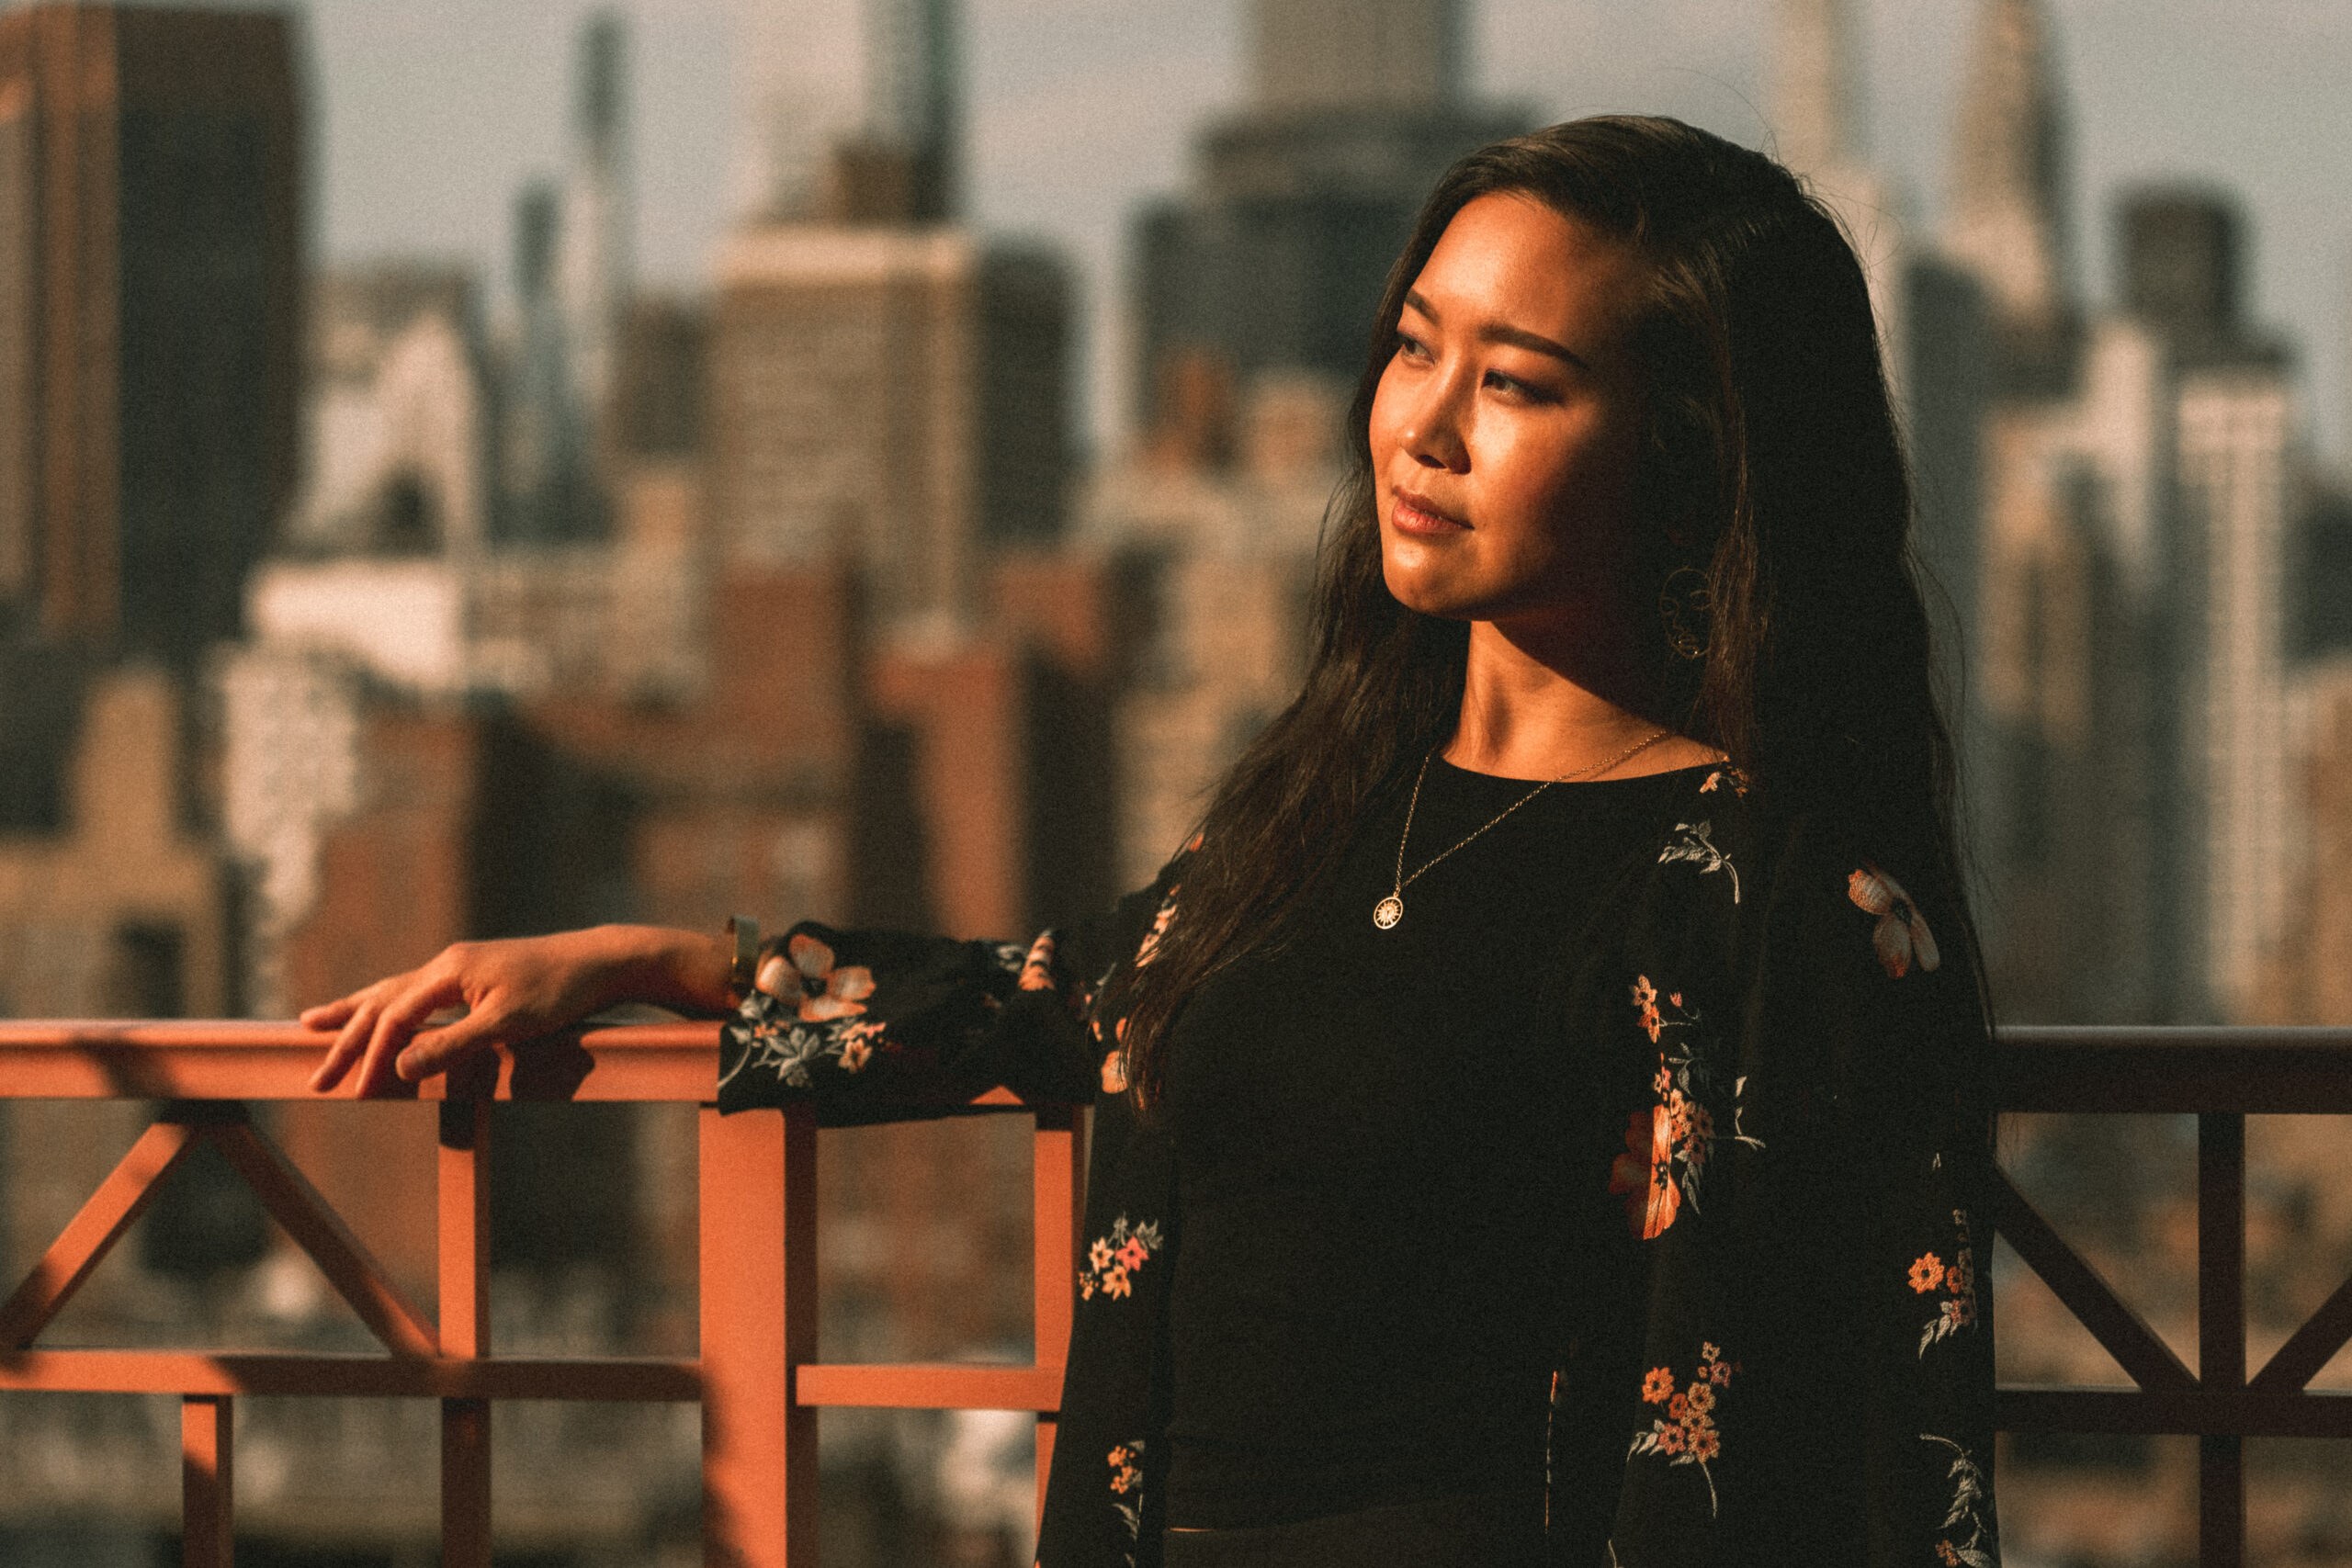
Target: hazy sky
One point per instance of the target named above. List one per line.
(430, 112)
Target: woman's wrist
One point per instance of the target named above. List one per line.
(685, 970)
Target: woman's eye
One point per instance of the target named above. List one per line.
(1513, 387)
(1411, 347)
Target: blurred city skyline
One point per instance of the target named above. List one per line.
(430, 113)
(737, 561)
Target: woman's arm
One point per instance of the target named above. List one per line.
(881, 1025)
(1869, 1316)
(872, 1024)
(512, 990)
(1806, 1179)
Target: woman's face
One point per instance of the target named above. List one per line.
(1507, 426)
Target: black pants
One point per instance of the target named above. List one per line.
(1486, 1530)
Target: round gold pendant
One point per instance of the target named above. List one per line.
(1388, 911)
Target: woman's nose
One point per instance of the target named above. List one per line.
(1433, 435)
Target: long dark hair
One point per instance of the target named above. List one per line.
(1773, 474)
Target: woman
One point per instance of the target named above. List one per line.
(1536, 1121)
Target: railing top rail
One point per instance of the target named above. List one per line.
(2174, 1037)
(244, 1059)
(234, 1059)
(2260, 1070)
(2036, 1068)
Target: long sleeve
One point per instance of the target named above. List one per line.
(876, 1025)
(1804, 1181)
(872, 1025)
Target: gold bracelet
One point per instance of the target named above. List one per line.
(744, 970)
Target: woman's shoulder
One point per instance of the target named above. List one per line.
(1765, 870)
(1701, 844)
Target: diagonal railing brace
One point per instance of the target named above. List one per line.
(86, 1239)
(2121, 1332)
(2312, 1347)
(319, 1231)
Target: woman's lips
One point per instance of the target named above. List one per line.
(1418, 514)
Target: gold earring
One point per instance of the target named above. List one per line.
(1680, 604)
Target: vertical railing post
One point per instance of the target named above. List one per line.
(2220, 1331)
(1058, 1174)
(464, 1179)
(758, 1270)
(207, 1469)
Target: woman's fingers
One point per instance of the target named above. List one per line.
(435, 1051)
(331, 1015)
(511, 989)
(402, 1015)
(360, 1011)
(354, 1019)
(351, 1038)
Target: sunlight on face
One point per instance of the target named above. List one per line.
(1508, 423)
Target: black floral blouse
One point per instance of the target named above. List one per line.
(1800, 1369)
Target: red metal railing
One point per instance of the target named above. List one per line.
(757, 1378)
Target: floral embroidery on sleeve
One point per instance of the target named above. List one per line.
(1666, 1144)
(1726, 775)
(789, 1048)
(1955, 1282)
(1901, 936)
(805, 973)
(1127, 1490)
(1112, 1261)
(1967, 1511)
(804, 1009)
(1695, 846)
(1686, 1434)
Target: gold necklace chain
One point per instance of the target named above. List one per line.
(1391, 910)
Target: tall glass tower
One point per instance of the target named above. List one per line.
(1301, 200)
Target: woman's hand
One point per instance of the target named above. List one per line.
(511, 990)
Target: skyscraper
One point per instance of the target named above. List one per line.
(151, 248)
(893, 397)
(1275, 257)
(887, 389)
(2235, 439)
(548, 489)
(150, 302)
(572, 283)
(2008, 206)
(593, 263)
(856, 111)
(2139, 479)
(2086, 802)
